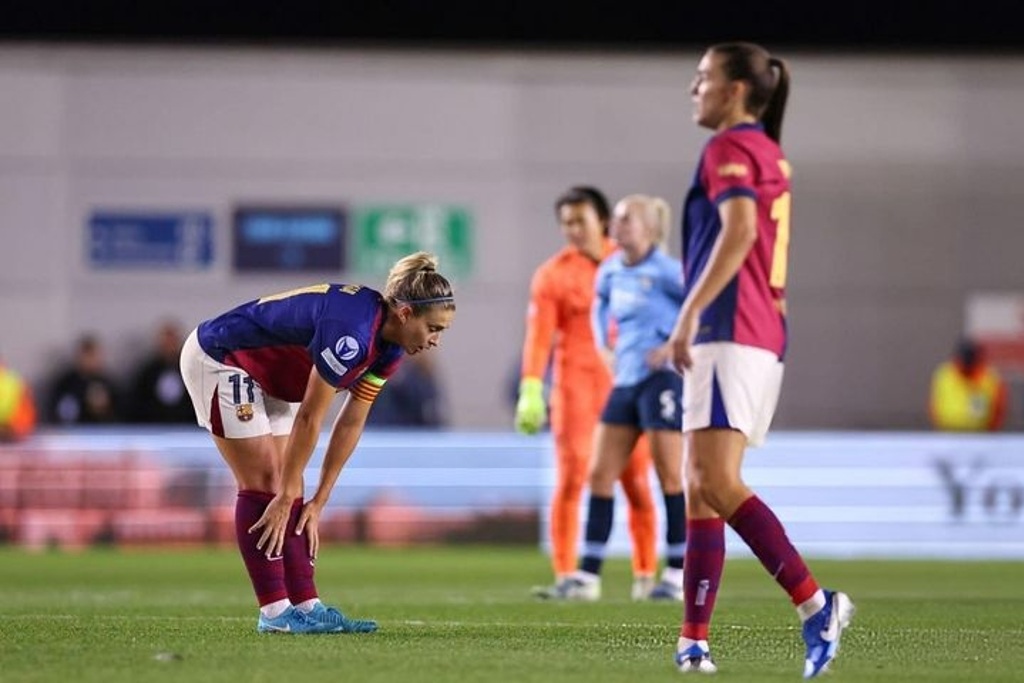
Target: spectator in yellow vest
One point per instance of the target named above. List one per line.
(967, 394)
(17, 407)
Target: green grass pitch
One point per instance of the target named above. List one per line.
(464, 614)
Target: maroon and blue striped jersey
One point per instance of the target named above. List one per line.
(278, 339)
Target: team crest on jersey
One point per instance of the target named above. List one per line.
(733, 169)
(244, 412)
(347, 348)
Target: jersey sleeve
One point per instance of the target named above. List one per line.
(727, 170)
(541, 323)
(337, 349)
(600, 311)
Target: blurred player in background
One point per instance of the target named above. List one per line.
(639, 291)
(730, 339)
(262, 377)
(561, 296)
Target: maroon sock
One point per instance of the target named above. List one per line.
(760, 529)
(267, 576)
(298, 565)
(702, 572)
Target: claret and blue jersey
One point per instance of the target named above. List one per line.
(643, 300)
(742, 162)
(278, 339)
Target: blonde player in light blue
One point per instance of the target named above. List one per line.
(639, 291)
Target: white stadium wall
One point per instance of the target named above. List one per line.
(906, 183)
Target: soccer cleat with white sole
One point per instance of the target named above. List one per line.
(666, 591)
(696, 659)
(575, 587)
(292, 621)
(338, 622)
(642, 586)
(822, 630)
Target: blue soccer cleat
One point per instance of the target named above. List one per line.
(292, 620)
(696, 659)
(822, 631)
(338, 622)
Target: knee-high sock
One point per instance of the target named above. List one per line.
(675, 531)
(760, 529)
(298, 564)
(267, 576)
(600, 515)
(704, 560)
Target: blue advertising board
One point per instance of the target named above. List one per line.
(148, 239)
(288, 239)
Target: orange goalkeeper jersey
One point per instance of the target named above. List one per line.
(561, 295)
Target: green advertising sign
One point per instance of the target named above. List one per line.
(383, 234)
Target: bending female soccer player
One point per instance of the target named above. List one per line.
(262, 377)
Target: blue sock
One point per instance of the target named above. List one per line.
(675, 536)
(599, 529)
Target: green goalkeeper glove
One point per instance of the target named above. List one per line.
(531, 411)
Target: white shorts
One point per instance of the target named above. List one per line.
(732, 386)
(227, 401)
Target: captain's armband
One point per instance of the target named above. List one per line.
(367, 387)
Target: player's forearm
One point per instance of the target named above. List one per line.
(345, 434)
(300, 447)
(540, 336)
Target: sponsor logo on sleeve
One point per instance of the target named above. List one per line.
(333, 362)
(733, 169)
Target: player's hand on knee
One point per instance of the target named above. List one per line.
(273, 521)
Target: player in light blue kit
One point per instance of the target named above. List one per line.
(639, 290)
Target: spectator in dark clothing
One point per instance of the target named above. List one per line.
(157, 390)
(84, 393)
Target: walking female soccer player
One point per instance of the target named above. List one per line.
(639, 289)
(729, 339)
(262, 377)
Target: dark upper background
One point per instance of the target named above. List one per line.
(843, 26)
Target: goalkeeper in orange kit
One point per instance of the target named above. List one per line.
(561, 295)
